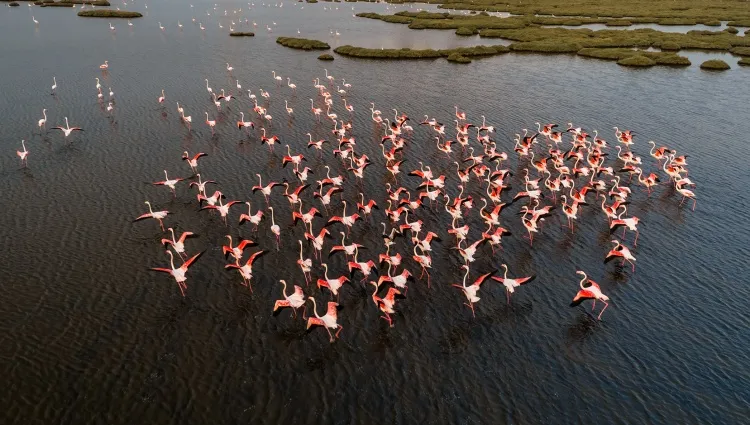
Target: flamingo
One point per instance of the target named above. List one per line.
(277, 77)
(365, 267)
(235, 251)
(620, 251)
(386, 303)
(244, 124)
(512, 284)
(222, 208)
(211, 123)
(346, 220)
(193, 162)
(158, 215)
(288, 109)
(305, 265)
(246, 270)
(43, 121)
(54, 85)
(590, 292)
(177, 244)
(424, 261)
(229, 68)
(67, 130)
(170, 183)
(252, 218)
(23, 154)
(162, 98)
(104, 66)
(275, 229)
(333, 285)
(201, 185)
(329, 321)
(471, 290)
(265, 190)
(295, 301)
(290, 84)
(178, 273)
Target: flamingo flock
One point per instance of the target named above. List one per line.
(566, 175)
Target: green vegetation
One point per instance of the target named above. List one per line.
(546, 46)
(302, 43)
(636, 60)
(107, 13)
(659, 58)
(242, 34)
(715, 64)
(466, 52)
(467, 31)
(13, 4)
(685, 10)
(732, 30)
(712, 23)
(670, 45)
(57, 5)
(618, 23)
(740, 22)
(93, 2)
(312, 1)
(458, 58)
(325, 57)
(744, 62)
(741, 51)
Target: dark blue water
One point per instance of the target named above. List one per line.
(89, 335)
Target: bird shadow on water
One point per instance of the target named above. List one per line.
(578, 333)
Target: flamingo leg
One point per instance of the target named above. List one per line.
(606, 304)
(341, 328)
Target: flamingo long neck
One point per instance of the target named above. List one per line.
(273, 222)
(66, 122)
(149, 206)
(315, 306)
(171, 259)
(344, 209)
(300, 250)
(465, 276)
(172, 231)
(505, 275)
(583, 280)
(283, 282)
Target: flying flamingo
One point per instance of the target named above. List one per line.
(424, 261)
(471, 290)
(512, 284)
(265, 190)
(590, 292)
(295, 301)
(178, 273)
(23, 154)
(236, 251)
(222, 208)
(67, 129)
(193, 162)
(386, 303)
(252, 218)
(346, 220)
(158, 215)
(201, 185)
(333, 285)
(177, 244)
(246, 270)
(329, 321)
(170, 183)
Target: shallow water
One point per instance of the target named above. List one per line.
(89, 335)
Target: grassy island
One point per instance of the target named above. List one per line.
(744, 62)
(467, 52)
(13, 4)
(458, 58)
(59, 4)
(325, 57)
(302, 43)
(242, 34)
(106, 13)
(715, 64)
(92, 2)
(637, 61)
